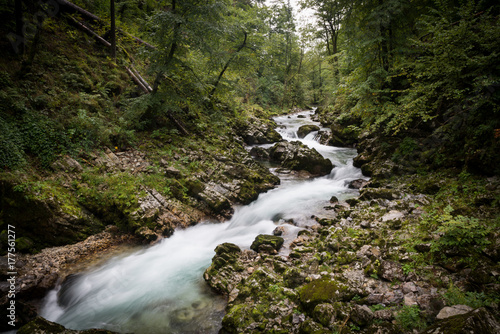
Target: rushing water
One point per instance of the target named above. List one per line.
(161, 290)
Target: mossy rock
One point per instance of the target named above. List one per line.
(324, 314)
(477, 321)
(264, 239)
(42, 326)
(304, 130)
(311, 327)
(323, 290)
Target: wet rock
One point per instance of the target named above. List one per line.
(24, 313)
(264, 243)
(279, 230)
(297, 156)
(477, 321)
(450, 311)
(304, 130)
(259, 153)
(42, 326)
(257, 131)
(334, 199)
(357, 184)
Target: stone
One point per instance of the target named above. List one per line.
(42, 326)
(357, 184)
(362, 315)
(304, 130)
(324, 290)
(279, 230)
(324, 314)
(172, 172)
(259, 153)
(391, 271)
(275, 242)
(477, 321)
(297, 156)
(450, 311)
(67, 164)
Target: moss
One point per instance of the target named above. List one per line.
(323, 290)
(263, 239)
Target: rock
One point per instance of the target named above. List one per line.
(450, 311)
(311, 327)
(279, 230)
(67, 164)
(24, 313)
(477, 321)
(259, 153)
(343, 136)
(42, 326)
(324, 314)
(146, 234)
(362, 315)
(391, 271)
(376, 193)
(172, 172)
(263, 241)
(334, 199)
(365, 224)
(256, 131)
(357, 184)
(304, 130)
(297, 156)
(324, 290)
(423, 248)
(294, 277)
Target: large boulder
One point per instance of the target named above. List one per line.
(264, 243)
(42, 326)
(297, 156)
(304, 130)
(477, 321)
(256, 131)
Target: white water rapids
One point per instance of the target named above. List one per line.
(160, 289)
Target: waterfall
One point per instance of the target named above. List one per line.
(160, 289)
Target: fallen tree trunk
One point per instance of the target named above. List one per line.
(72, 8)
(137, 81)
(89, 31)
(141, 79)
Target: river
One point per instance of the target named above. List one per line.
(160, 289)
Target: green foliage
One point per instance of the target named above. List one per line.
(12, 146)
(456, 232)
(409, 318)
(455, 296)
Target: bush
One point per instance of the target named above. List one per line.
(409, 318)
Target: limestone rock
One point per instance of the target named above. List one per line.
(296, 156)
(265, 243)
(304, 130)
(477, 321)
(391, 271)
(450, 311)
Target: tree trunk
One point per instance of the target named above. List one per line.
(227, 64)
(18, 14)
(113, 31)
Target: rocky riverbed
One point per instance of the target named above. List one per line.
(373, 264)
